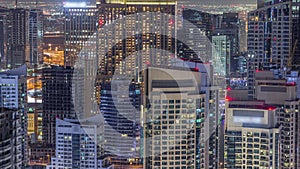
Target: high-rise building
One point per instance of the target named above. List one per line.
(230, 26)
(18, 49)
(243, 31)
(80, 48)
(21, 42)
(196, 33)
(80, 30)
(76, 145)
(57, 99)
(120, 106)
(3, 36)
(221, 54)
(35, 112)
(270, 94)
(133, 30)
(251, 135)
(180, 119)
(35, 28)
(13, 117)
(8, 153)
(131, 35)
(282, 94)
(238, 65)
(273, 33)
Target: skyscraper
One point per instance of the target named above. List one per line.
(57, 99)
(273, 33)
(13, 117)
(120, 105)
(284, 97)
(3, 36)
(81, 47)
(221, 55)
(21, 42)
(196, 31)
(230, 26)
(35, 28)
(129, 33)
(251, 135)
(180, 123)
(278, 97)
(80, 30)
(18, 49)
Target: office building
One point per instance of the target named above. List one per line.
(35, 113)
(57, 99)
(230, 26)
(243, 31)
(18, 49)
(13, 117)
(221, 55)
(273, 33)
(80, 47)
(40, 154)
(80, 30)
(120, 106)
(150, 40)
(180, 123)
(6, 140)
(35, 28)
(32, 124)
(21, 42)
(195, 34)
(76, 145)
(130, 35)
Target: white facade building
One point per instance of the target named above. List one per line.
(251, 136)
(9, 91)
(76, 145)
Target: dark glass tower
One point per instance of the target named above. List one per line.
(18, 49)
(57, 99)
(120, 106)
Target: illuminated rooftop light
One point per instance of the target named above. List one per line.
(228, 99)
(271, 108)
(74, 4)
(196, 68)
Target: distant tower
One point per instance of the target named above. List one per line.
(221, 54)
(273, 34)
(35, 28)
(18, 49)
(4, 12)
(80, 30)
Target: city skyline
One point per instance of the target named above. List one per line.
(142, 84)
